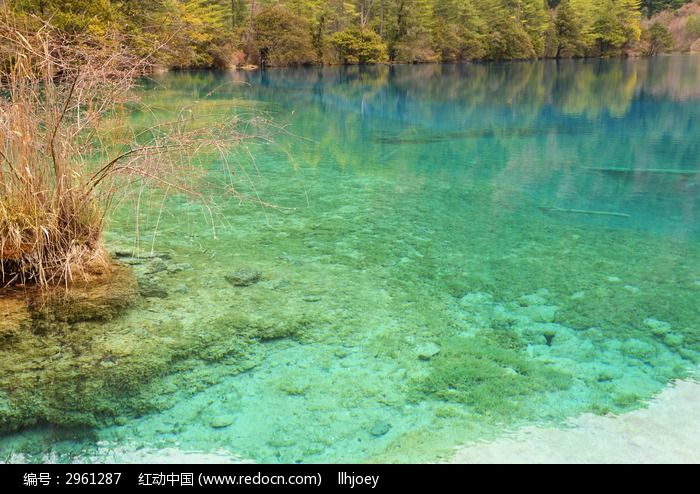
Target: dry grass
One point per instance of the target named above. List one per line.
(67, 151)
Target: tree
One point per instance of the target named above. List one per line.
(569, 32)
(534, 17)
(211, 32)
(146, 25)
(651, 7)
(692, 26)
(71, 16)
(506, 38)
(407, 30)
(359, 46)
(458, 30)
(616, 23)
(660, 39)
(195, 29)
(281, 38)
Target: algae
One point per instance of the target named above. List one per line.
(79, 357)
(490, 380)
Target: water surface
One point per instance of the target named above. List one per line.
(458, 251)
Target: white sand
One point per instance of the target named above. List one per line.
(668, 431)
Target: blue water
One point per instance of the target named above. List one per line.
(454, 251)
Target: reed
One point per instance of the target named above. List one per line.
(67, 150)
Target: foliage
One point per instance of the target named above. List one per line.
(358, 46)
(196, 26)
(458, 31)
(660, 39)
(281, 38)
(204, 33)
(651, 7)
(507, 38)
(616, 23)
(569, 29)
(692, 26)
(71, 16)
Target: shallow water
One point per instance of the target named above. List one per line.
(468, 250)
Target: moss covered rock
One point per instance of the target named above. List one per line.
(45, 364)
(77, 357)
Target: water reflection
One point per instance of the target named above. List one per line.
(574, 86)
(543, 133)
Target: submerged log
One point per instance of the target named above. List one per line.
(660, 171)
(584, 211)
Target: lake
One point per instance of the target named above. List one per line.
(420, 257)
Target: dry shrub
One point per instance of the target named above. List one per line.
(677, 21)
(67, 150)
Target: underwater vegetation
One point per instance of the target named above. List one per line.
(79, 358)
(49, 340)
(489, 379)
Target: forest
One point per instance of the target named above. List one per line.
(227, 33)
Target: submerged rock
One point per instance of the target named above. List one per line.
(222, 421)
(100, 299)
(532, 299)
(157, 265)
(639, 349)
(538, 313)
(658, 328)
(149, 288)
(427, 351)
(294, 388)
(245, 276)
(674, 340)
(476, 299)
(549, 334)
(380, 428)
(181, 288)
(14, 316)
(183, 266)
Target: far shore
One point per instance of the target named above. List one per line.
(160, 69)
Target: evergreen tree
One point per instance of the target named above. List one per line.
(659, 38)
(570, 41)
(616, 23)
(213, 32)
(457, 30)
(506, 39)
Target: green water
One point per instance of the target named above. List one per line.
(446, 262)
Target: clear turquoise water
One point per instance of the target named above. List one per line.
(455, 265)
